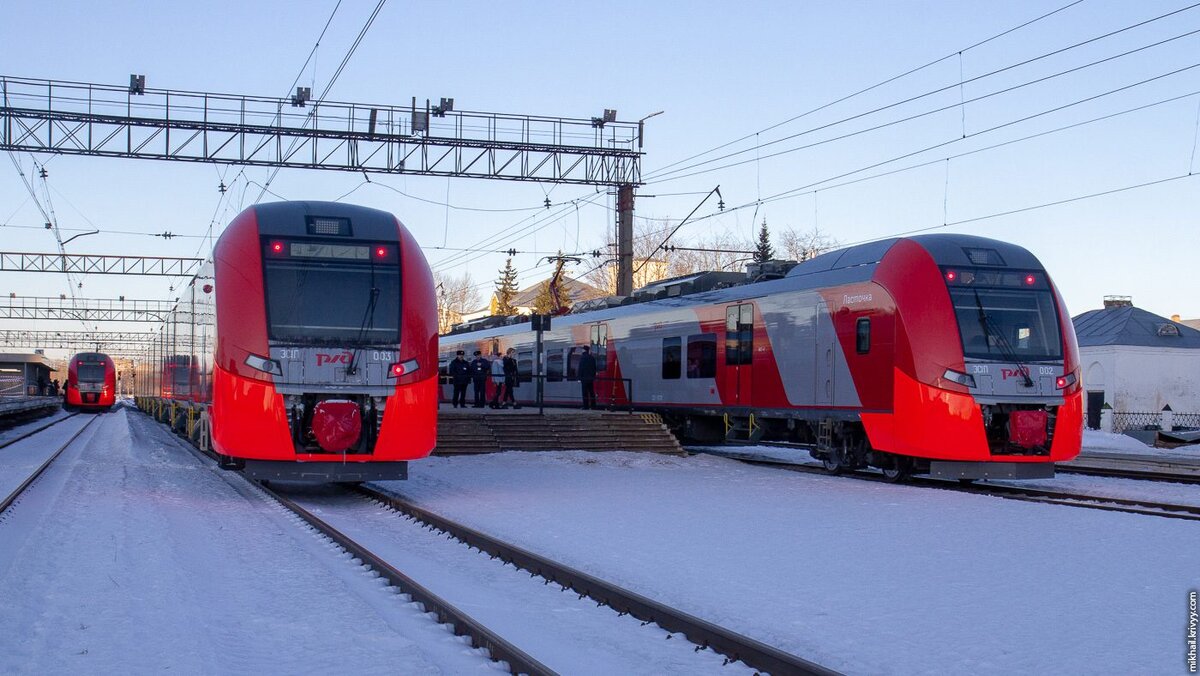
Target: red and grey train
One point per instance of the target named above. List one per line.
(945, 354)
(91, 382)
(307, 348)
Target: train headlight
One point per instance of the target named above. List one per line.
(402, 368)
(1065, 381)
(964, 379)
(263, 364)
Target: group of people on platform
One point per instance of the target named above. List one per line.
(45, 389)
(503, 372)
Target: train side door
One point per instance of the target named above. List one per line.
(826, 335)
(739, 352)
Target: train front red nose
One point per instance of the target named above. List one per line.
(1027, 429)
(336, 424)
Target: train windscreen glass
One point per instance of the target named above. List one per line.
(90, 373)
(1007, 324)
(332, 293)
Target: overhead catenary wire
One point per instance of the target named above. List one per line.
(663, 176)
(877, 85)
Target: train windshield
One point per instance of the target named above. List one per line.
(90, 373)
(313, 301)
(1007, 324)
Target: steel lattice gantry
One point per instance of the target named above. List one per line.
(46, 116)
(86, 309)
(12, 261)
(74, 339)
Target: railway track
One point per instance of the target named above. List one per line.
(734, 646)
(16, 493)
(731, 645)
(1027, 494)
(32, 432)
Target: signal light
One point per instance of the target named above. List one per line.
(380, 252)
(277, 247)
(951, 275)
(1030, 279)
(1065, 381)
(401, 368)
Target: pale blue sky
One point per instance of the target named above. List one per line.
(719, 70)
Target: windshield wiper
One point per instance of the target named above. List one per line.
(368, 321)
(1006, 348)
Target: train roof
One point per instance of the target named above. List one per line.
(844, 266)
(280, 218)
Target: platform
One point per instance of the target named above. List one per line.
(486, 430)
(15, 410)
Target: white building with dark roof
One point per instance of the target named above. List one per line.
(1137, 362)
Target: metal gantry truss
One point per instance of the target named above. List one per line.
(85, 309)
(13, 261)
(132, 340)
(47, 116)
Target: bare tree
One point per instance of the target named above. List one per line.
(457, 295)
(801, 246)
(723, 251)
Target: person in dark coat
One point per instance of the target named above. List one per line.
(587, 377)
(54, 387)
(480, 369)
(460, 374)
(510, 378)
(41, 385)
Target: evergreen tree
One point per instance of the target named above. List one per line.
(506, 290)
(543, 303)
(764, 252)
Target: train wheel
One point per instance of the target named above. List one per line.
(832, 464)
(899, 471)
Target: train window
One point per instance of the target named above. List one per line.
(702, 355)
(599, 340)
(554, 366)
(862, 335)
(525, 366)
(573, 363)
(332, 301)
(739, 334)
(671, 357)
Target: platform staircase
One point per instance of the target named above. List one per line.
(464, 432)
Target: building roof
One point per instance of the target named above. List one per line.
(1128, 325)
(26, 358)
(576, 290)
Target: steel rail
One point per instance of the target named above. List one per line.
(30, 433)
(1027, 494)
(518, 661)
(734, 646)
(1121, 473)
(12, 497)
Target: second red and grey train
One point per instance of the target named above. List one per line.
(307, 348)
(91, 383)
(952, 355)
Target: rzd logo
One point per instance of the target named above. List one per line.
(1022, 372)
(343, 358)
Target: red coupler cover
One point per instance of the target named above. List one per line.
(1027, 428)
(336, 424)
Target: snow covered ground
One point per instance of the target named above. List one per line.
(131, 555)
(859, 576)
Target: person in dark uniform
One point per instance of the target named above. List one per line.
(587, 377)
(510, 378)
(480, 369)
(460, 374)
(41, 385)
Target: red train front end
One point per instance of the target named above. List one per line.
(326, 342)
(91, 382)
(986, 370)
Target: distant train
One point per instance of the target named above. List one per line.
(306, 350)
(944, 354)
(91, 382)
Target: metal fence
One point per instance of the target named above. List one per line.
(1127, 420)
